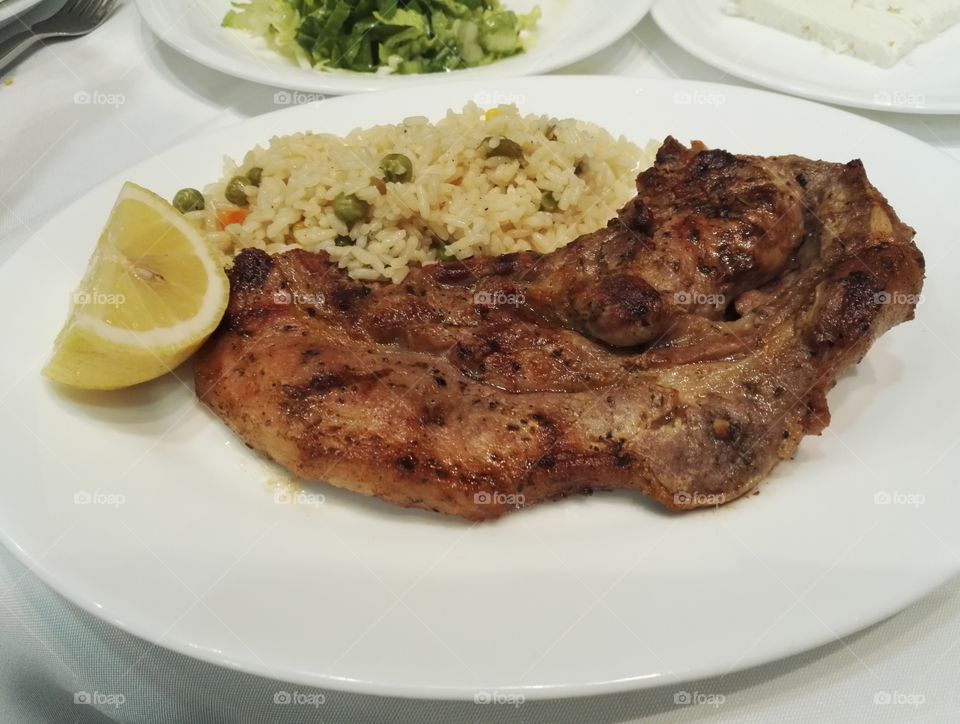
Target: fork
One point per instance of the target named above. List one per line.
(75, 18)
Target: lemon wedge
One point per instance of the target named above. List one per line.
(153, 292)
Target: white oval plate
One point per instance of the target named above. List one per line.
(144, 509)
(926, 81)
(568, 31)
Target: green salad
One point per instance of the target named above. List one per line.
(394, 36)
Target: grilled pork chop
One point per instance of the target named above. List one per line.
(682, 351)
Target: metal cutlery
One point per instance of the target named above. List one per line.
(75, 18)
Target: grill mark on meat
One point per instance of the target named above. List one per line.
(318, 384)
(249, 272)
(433, 415)
(505, 265)
(454, 273)
(635, 216)
(713, 161)
(344, 298)
(634, 296)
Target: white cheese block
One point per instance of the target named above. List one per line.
(931, 17)
(878, 31)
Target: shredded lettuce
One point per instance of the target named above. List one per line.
(401, 36)
(275, 20)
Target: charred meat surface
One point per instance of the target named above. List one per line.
(682, 351)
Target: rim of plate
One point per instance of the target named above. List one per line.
(250, 665)
(665, 14)
(345, 82)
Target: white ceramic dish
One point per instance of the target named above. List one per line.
(569, 30)
(926, 81)
(10, 9)
(144, 509)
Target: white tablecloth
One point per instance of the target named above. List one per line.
(54, 146)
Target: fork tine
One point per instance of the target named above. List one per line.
(104, 8)
(71, 7)
(74, 18)
(98, 10)
(90, 9)
(76, 8)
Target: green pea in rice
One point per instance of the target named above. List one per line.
(459, 203)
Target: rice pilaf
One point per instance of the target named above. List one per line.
(467, 194)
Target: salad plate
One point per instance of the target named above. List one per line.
(566, 32)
